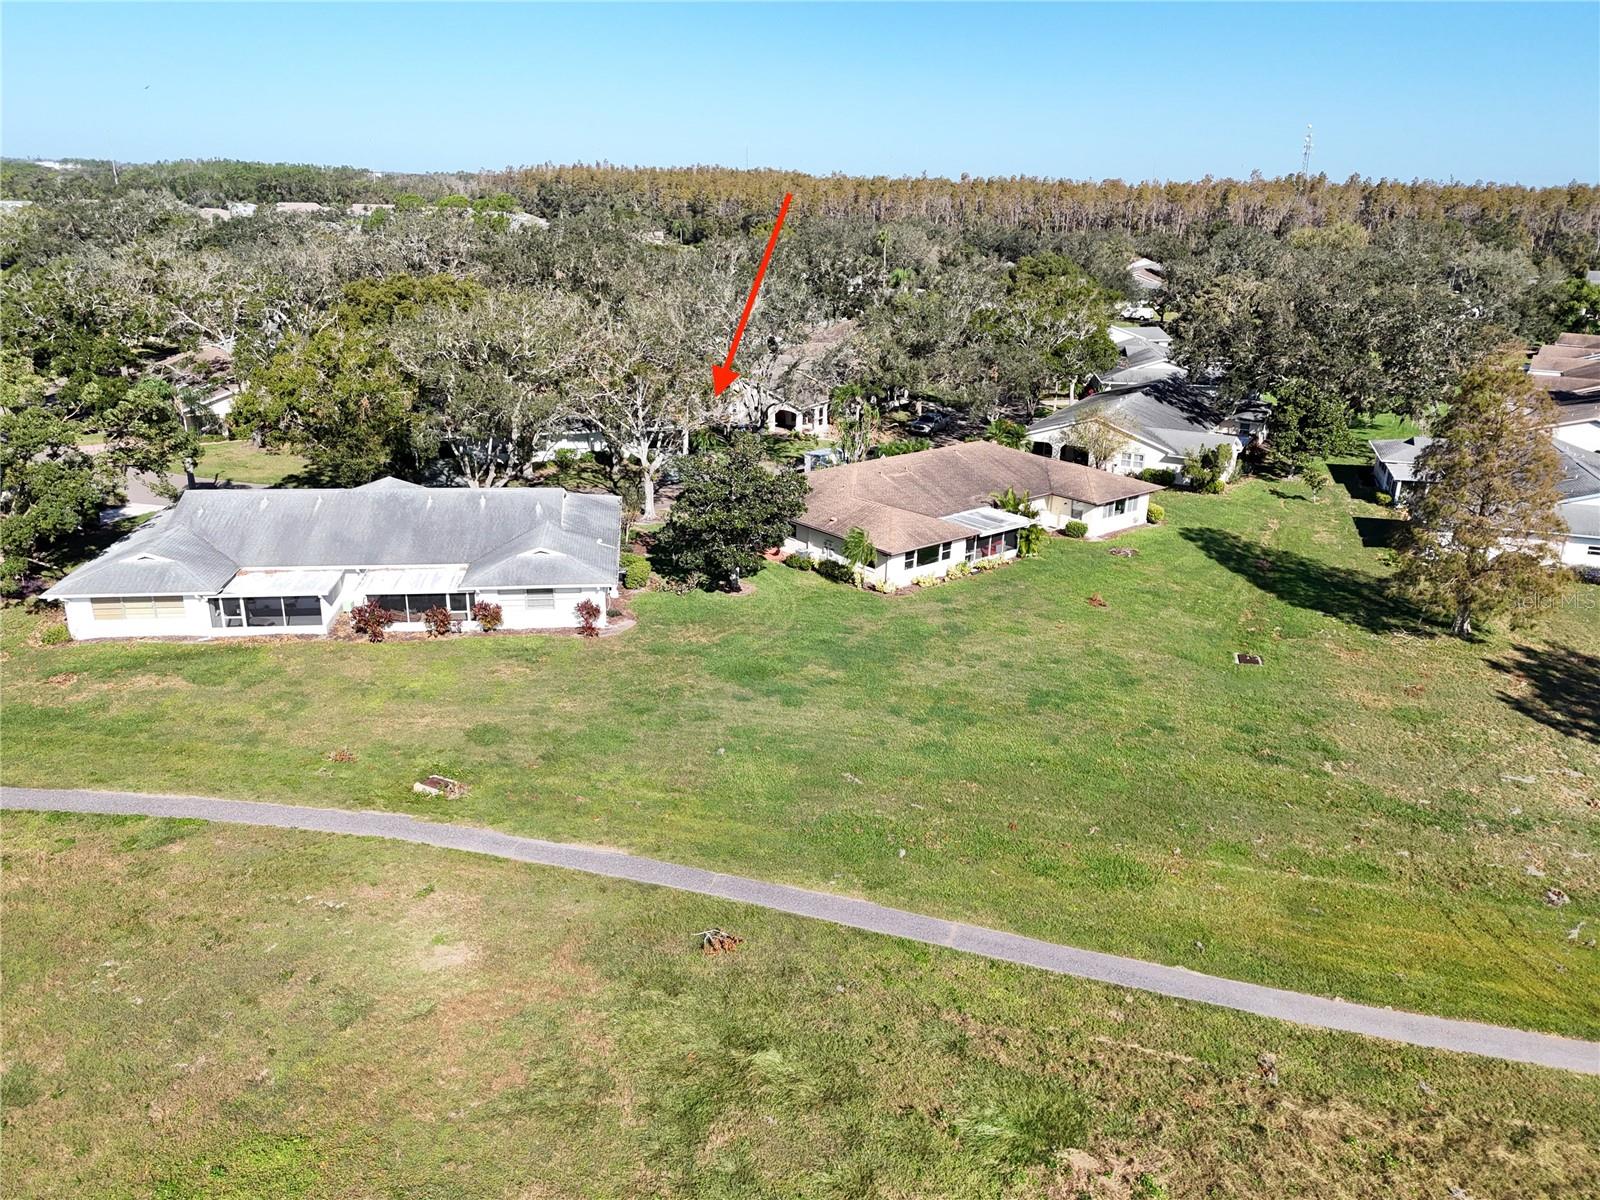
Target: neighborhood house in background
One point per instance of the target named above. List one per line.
(1160, 423)
(1569, 370)
(927, 511)
(273, 561)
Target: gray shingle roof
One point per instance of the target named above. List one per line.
(1580, 471)
(1169, 405)
(498, 534)
(1399, 455)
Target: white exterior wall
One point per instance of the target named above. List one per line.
(1102, 519)
(1580, 550)
(563, 615)
(196, 619)
(891, 568)
(81, 623)
(195, 622)
(1155, 458)
(1105, 519)
(803, 539)
(1585, 436)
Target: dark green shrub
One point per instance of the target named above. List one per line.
(1007, 433)
(1159, 475)
(635, 571)
(903, 446)
(1212, 487)
(1206, 466)
(800, 562)
(836, 571)
(1075, 529)
(1156, 514)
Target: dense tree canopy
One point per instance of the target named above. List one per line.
(442, 340)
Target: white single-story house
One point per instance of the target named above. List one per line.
(290, 560)
(1162, 422)
(1578, 424)
(1394, 464)
(1580, 505)
(926, 511)
(790, 391)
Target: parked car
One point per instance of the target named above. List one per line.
(815, 460)
(931, 421)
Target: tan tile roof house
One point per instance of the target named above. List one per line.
(1568, 368)
(934, 508)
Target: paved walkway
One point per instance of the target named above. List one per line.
(1469, 1037)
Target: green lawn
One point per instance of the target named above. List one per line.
(201, 1011)
(1376, 813)
(242, 462)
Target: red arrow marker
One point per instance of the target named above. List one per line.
(722, 375)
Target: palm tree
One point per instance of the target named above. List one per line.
(858, 550)
(1013, 501)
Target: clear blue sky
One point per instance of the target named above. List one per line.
(1136, 91)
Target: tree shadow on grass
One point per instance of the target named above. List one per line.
(1356, 479)
(1353, 596)
(1559, 687)
(1378, 533)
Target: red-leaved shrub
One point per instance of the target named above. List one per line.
(437, 622)
(488, 616)
(371, 619)
(588, 613)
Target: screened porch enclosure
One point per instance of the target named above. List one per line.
(411, 605)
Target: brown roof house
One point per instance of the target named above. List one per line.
(1568, 368)
(927, 511)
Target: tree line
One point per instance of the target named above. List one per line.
(439, 342)
(1562, 223)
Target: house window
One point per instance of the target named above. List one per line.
(928, 555)
(411, 607)
(1120, 507)
(1080, 511)
(227, 612)
(1593, 551)
(137, 608)
(535, 597)
(273, 611)
(987, 546)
